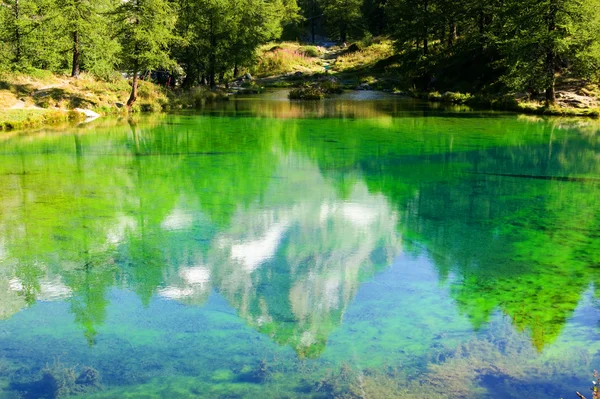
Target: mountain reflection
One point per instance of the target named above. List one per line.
(286, 218)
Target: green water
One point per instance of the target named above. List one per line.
(356, 248)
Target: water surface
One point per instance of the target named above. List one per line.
(353, 248)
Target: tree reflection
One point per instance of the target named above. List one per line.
(286, 218)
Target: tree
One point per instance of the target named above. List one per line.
(373, 12)
(28, 27)
(342, 16)
(219, 36)
(550, 36)
(86, 26)
(77, 15)
(146, 31)
(412, 21)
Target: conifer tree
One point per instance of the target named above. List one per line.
(145, 33)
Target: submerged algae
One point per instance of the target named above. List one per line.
(288, 226)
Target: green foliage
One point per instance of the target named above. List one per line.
(342, 17)
(542, 35)
(221, 36)
(145, 33)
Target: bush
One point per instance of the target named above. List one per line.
(306, 93)
(456, 98)
(330, 86)
(316, 91)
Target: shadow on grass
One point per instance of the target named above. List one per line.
(44, 97)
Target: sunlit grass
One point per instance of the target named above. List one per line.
(26, 118)
(369, 53)
(287, 57)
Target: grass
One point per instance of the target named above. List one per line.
(49, 91)
(369, 53)
(504, 103)
(27, 118)
(45, 98)
(287, 57)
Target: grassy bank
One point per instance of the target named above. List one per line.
(510, 102)
(28, 118)
(374, 64)
(40, 97)
(285, 58)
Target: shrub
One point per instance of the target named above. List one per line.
(306, 93)
(316, 91)
(330, 86)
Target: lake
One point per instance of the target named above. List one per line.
(362, 247)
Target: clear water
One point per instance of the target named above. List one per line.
(356, 248)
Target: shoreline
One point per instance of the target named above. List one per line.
(12, 119)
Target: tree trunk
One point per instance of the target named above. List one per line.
(222, 79)
(235, 70)
(17, 14)
(312, 21)
(211, 73)
(481, 22)
(452, 35)
(551, 56)
(212, 58)
(425, 27)
(550, 92)
(134, 90)
(75, 70)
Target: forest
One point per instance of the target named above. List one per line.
(496, 46)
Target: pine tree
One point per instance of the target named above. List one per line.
(342, 17)
(545, 37)
(145, 33)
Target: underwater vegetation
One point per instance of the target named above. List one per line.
(210, 256)
(56, 381)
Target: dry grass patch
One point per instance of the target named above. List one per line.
(287, 57)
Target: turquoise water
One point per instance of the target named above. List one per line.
(364, 247)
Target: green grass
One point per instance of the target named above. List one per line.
(367, 55)
(27, 118)
(287, 57)
(49, 98)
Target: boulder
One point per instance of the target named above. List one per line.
(353, 48)
(89, 114)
